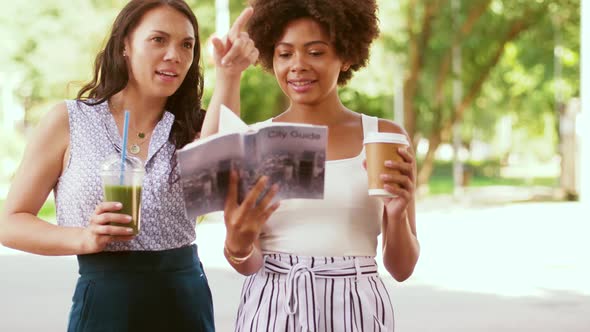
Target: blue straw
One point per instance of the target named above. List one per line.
(124, 147)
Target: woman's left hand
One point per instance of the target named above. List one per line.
(402, 185)
(236, 52)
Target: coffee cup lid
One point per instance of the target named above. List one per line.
(377, 137)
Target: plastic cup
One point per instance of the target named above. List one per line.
(124, 186)
(380, 147)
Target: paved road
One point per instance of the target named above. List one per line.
(515, 268)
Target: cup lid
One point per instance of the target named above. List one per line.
(113, 164)
(378, 137)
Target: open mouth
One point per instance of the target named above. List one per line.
(302, 86)
(301, 83)
(166, 73)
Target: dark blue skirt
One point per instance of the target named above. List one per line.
(142, 291)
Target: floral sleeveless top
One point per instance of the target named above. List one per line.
(93, 137)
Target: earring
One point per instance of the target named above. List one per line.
(124, 53)
(345, 68)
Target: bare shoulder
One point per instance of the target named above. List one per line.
(41, 164)
(389, 126)
(56, 116)
(53, 131)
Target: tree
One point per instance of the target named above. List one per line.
(487, 28)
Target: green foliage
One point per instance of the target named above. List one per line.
(260, 95)
(524, 82)
(479, 174)
(367, 104)
(56, 44)
(49, 44)
(507, 71)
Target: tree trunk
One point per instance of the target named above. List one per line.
(425, 172)
(417, 45)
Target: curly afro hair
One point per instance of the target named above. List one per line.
(351, 24)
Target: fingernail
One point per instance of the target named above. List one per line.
(128, 218)
(129, 230)
(118, 205)
(388, 163)
(223, 62)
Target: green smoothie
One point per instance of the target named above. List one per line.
(130, 197)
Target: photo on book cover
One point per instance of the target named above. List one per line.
(291, 155)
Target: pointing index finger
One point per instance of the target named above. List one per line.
(240, 23)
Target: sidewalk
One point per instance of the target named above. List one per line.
(508, 267)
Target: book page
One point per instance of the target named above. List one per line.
(229, 122)
(291, 155)
(205, 170)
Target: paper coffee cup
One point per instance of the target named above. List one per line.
(380, 147)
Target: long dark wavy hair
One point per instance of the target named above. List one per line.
(111, 73)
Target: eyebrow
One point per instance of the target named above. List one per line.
(168, 35)
(306, 44)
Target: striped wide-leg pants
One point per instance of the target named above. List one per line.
(300, 293)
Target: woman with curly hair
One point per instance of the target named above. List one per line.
(311, 266)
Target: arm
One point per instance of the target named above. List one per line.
(401, 248)
(41, 166)
(250, 265)
(231, 57)
(20, 228)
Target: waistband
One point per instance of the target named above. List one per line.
(320, 267)
(139, 261)
(302, 272)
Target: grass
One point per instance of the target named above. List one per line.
(444, 184)
(438, 185)
(484, 174)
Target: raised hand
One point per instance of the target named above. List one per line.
(236, 51)
(244, 221)
(99, 233)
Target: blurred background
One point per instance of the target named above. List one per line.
(488, 90)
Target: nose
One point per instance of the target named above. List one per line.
(298, 63)
(172, 54)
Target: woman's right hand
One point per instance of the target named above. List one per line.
(235, 52)
(99, 233)
(244, 221)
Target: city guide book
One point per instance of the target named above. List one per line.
(290, 154)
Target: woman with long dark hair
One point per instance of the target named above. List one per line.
(151, 281)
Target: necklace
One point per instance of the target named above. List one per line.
(135, 147)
